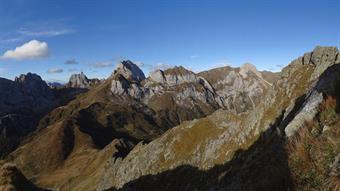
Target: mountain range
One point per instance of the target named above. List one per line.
(221, 129)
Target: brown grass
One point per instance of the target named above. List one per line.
(311, 153)
(327, 111)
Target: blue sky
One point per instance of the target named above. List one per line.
(91, 36)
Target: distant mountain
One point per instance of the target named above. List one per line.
(55, 84)
(81, 81)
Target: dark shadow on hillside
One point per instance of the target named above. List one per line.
(263, 166)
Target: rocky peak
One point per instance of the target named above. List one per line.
(29, 77)
(130, 71)
(321, 58)
(126, 80)
(32, 85)
(174, 76)
(81, 81)
(246, 68)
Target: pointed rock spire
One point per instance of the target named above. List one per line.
(130, 71)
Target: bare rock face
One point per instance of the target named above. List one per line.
(126, 79)
(179, 75)
(123, 87)
(247, 68)
(130, 71)
(185, 83)
(158, 76)
(81, 81)
(241, 88)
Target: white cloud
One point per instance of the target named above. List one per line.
(54, 70)
(103, 64)
(31, 50)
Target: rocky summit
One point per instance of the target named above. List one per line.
(81, 81)
(221, 129)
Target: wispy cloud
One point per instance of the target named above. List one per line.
(30, 50)
(45, 32)
(36, 30)
(10, 40)
(73, 70)
(103, 64)
(71, 61)
(54, 70)
(194, 56)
